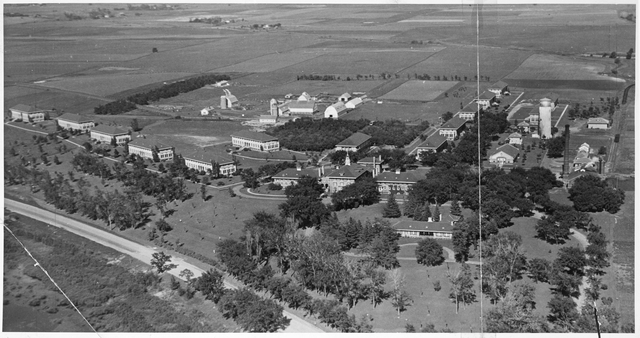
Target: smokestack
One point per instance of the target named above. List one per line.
(600, 166)
(566, 149)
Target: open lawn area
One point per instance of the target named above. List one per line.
(272, 62)
(200, 133)
(418, 90)
(555, 67)
(62, 101)
(406, 112)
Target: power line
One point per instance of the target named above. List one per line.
(51, 279)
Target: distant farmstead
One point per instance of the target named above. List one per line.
(255, 141)
(105, 133)
(75, 122)
(27, 113)
(146, 147)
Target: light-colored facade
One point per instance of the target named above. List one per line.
(452, 128)
(434, 143)
(255, 141)
(418, 229)
(75, 122)
(145, 147)
(598, 123)
(105, 134)
(468, 113)
(339, 178)
(505, 154)
(291, 176)
(354, 142)
(546, 107)
(397, 182)
(334, 110)
(27, 113)
(515, 138)
(302, 107)
(354, 103)
(202, 161)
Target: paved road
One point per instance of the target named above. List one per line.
(135, 250)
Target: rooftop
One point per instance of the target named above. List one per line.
(205, 156)
(25, 108)
(294, 173)
(499, 85)
(356, 139)
(109, 130)
(515, 135)
(507, 149)
(598, 120)
(302, 104)
(74, 118)
(148, 143)
(402, 177)
(252, 135)
(487, 96)
(434, 141)
(423, 226)
(348, 171)
(470, 108)
(455, 123)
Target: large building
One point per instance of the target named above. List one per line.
(452, 128)
(255, 141)
(515, 138)
(146, 147)
(418, 229)
(344, 97)
(597, 123)
(354, 142)
(434, 143)
(203, 161)
(339, 178)
(486, 99)
(398, 182)
(228, 100)
(75, 122)
(499, 88)
(27, 113)
(302, 107)
(354, 103)
(290, 176)
(468, 112)
(105, 133)
(334, 110)
(505, 154)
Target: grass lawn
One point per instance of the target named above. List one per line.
(418, 90)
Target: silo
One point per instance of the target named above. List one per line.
(223, 102)
(273, 107)
(545, 118)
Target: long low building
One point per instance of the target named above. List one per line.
(146, 147)
(204, 161)
(255, 141)
(398, 181)
(75, 122)
(105, 133)
(27, 113)
(290, 176)
(437, 230)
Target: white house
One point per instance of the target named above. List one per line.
(75, 122)
(105, 133)
(203, 161)
(515, 138)
(255, 141)
(353, 103)
(27, 113)
(334, 110)
(505, 154)
(486, 99)
(597, 123)
(146, 147)
(304, 97)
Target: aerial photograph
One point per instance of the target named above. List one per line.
(459, 168)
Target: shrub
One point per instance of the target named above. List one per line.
(436, 286)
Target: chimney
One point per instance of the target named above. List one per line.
(566, 149)
(298, 167)
(600, 167)
(397, 171)
(374, 166)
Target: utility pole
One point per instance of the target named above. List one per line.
(595, 313)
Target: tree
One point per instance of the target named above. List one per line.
(187, 275)
(455, 207)
(436, 214)
(515, 312)
(562, 310)
(304, 204)
(539, 269)
(135, 126)
(447, 116)
(429, 252)
(113, 142)
(497, 210)
(362, 192)
(211, 284)
(503, 263)
(163, 226)
(56, 160)
(162, 262)
(203, 192)
(400, 298)
(87, 146)
(571, 260)
(461, 241)
(629, 54)
(392, 209)
(462, 286)
(555, 147)
(551, 230)
(154, 50)
(379, 241)
(590, 193)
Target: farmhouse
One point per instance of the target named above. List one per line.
(75, 122)
(290, 176)
(437, 230)
(499, 88)
(486, 99)
(339, 178)
(597, 123)
(468, 113)
(434, 143)
(302, 107)
(354, 142)
(105, 134)
(334, 110)
(353, 103)
(344, 97)
(227, 100)
(204, 161)
(515, 138)
(255, 141)
(452, 128)
(27, 113)
(505, 154)
(146, 147)
(398, 182)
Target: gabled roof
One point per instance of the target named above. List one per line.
(402, 177)
(148, 143)
(423, 226)
(348, 172)
(515, 135)
(74, 118)
(109, 130)
(507, 149)
(523, 124)
(354, 102)
(304, 97)
(470, 108)
(499, 85)
(252, 135)
(434, 141)
(572, 176)
(345, 96)
(294, 173)
(355, 140)
(302, 104)
(597, 120)
(205, 156)
(455, 123)
(338, 106)
(25, 108)
(487, 96)
(551, 96)
(370, 159)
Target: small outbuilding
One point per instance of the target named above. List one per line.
(597, 123)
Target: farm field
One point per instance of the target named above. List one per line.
(271, 62)
(418, 90)
(316, 87)
(108, 84)
(555, 67)
(19, 72)
(195, 133)
(62, 101)
(461, 61)
(414, 113)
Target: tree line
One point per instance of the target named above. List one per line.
(166, 91)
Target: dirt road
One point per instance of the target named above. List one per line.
(135, 250)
